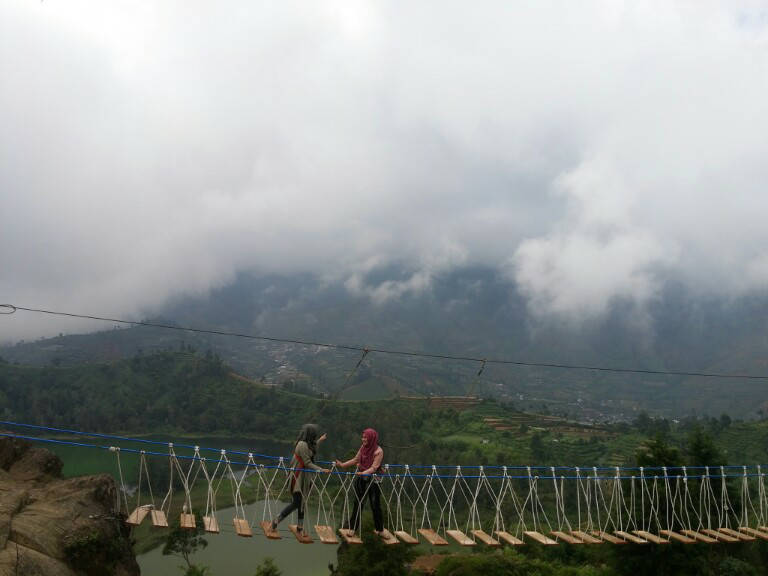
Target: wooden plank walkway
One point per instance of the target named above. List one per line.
(507, 538)
(486, 539)
(432, 537)
(540, 538)
(406, 538)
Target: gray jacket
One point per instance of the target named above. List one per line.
(301, 481)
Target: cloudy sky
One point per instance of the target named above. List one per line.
(589, 150)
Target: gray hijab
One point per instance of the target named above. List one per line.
(309, 434)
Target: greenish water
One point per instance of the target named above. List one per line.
(228, 554)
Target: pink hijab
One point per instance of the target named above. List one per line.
(368, 450)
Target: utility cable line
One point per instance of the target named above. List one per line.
(7, 309)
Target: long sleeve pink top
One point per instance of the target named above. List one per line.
(378, 456)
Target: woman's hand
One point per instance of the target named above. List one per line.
(339, 463)
(321, 438)
(326, 470)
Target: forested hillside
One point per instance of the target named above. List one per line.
(182, 392)
(469, 313)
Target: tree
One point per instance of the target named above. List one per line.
(658, 453)
(373, 558)
(183, 542)
(702, 450)
(539, 451)
(268, 568)
(731, 566)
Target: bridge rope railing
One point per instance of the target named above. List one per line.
(469, 504)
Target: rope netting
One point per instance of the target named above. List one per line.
(468, 504)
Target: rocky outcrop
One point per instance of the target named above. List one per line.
(52, 526)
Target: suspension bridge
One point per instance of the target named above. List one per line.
(440, 504)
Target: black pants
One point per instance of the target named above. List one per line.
(297, 504)
(361, 485)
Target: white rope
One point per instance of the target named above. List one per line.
(417, 500)
(441, 522)
(518, 504)
(632, 508)
(725, 501)
(236, 486)
(169, 495)
(560, 502)
(761, 495)
(616, 495)
(185, 477)
(347, 482)
(210, 501)
(655, 505)
(498, 517)
(483, 482)
(578, 497)
(396, 494)
(388, 520)
(704, 499)
(116, 450)
(600, 501)
(268, 512)
(428, 486)
(324, 501)
(690, 505)
(746, 501)
(537, 509)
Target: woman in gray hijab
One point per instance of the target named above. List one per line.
(301, 480)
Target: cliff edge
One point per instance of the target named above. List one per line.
(52, 526)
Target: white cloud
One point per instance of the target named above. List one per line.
(150, 149)
(597, 256)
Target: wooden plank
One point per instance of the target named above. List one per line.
(387, 537)
(672, 535)
(539, 537)
(350, 536)
(565, 537)
(630, 537)
(608, 537)
(756, 533)
(405, 537)
(159, 519)
(460, 537)
(326, 534)
(211, 524)
(698, 536)
(507, 538)
(301, 535)
(486, 539)
(738, 535)
(266, 527)
(719, 536)
(137, 516)
(187, 521)
(652, 538)
(243, 528)
(586, 538)
(432, 537)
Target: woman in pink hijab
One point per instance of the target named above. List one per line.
(368, 461)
